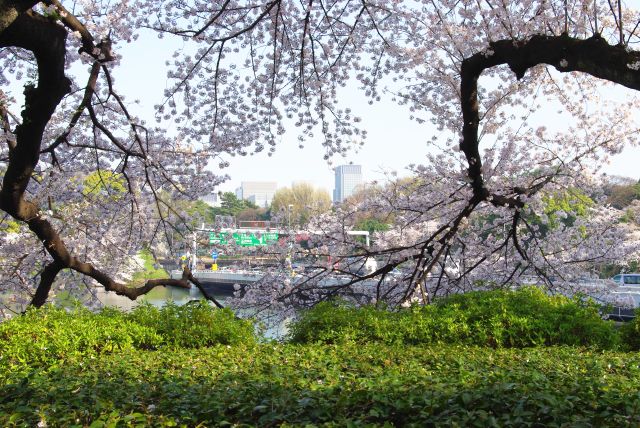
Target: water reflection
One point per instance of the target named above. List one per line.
(158, 297)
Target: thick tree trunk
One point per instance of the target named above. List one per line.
(11, 10)
(47, 41)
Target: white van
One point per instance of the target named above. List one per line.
(627, 279)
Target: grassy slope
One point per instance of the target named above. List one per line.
(150, 271)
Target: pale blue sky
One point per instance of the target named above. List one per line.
(394, 141)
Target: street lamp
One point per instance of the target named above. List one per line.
(290, 207)
(289, 261)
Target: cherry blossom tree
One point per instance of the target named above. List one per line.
(486, 74)
(58, 227)
(475, 215)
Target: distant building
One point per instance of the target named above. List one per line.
(212, 199)
(348, 179)
(302, 182)
(259, 192)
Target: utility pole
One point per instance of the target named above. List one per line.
(289, 208)
(194, 258)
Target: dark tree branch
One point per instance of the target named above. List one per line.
(47, 41)
(593, 56)
(11, 9)
(198, 284)
(47, 276)
(86, 99)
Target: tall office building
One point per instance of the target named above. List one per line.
(348, 179)
(212, 199)
(259, 192)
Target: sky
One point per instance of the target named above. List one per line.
(394, 141)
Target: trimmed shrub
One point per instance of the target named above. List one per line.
(631, 333)
(523, 318)
(531, 317)
(49, 334)
(351, 385)
(194, 325)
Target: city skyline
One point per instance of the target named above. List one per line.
(619, 165)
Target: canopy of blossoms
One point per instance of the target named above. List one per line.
(520, 93)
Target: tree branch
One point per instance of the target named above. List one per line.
(593, 56)
(10, 10)
(47, 277)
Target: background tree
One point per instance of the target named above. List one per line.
(371, 224)
(299, 203)
(104, 184)
(254, 214)
(372, 219)
(621, 193)
(230, 205)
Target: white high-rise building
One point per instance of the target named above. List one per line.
(348, 179)
(212, 199)
(259, 192)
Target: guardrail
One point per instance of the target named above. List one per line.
(238, 277)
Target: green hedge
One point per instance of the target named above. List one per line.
(194, 325)
(631, 333)
(330, 385)
(523, 318)
(44, 336)
(197, 366)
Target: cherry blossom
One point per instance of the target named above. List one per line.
(521, 94)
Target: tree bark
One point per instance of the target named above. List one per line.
(11, 10)
(593, 56)
(47, 41)
(47, 277)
